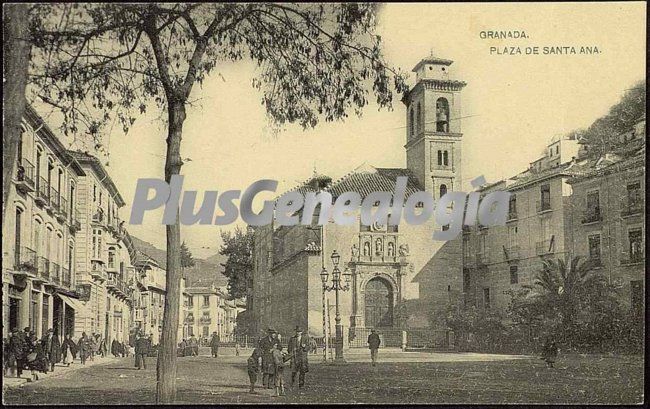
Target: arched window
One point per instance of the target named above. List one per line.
(419, 116)
(445, 156)
(411, 123)
(111, 257)
(37, 236)
(439, 158)
(39, 156)
(443, 190)
(442, 115)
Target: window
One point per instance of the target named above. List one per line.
(411, 123)
(37, 237)
(439, 158)
(466, 248)
(442, 115)
(17, 238)
(557, 149)
(512, 207)
(514, 274)
(634, 197)
(445, 158)
(206, 300)
(94, 193)
(70, 258)
(443, 190)
(635, 237)
(39, 158)
(594, 248)
(486, 297)
(111, 257)
(545, 197)
(71, 200)
(593, 203)
(467, 280)
(419, 116)
(512, 236)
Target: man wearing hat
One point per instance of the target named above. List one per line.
(298, 351)
(266, 346)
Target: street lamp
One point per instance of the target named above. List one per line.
(336, 287)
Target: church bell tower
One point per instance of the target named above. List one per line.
(433, 133)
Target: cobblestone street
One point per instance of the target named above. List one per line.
(399, 378)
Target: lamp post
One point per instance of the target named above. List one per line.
(336, 287)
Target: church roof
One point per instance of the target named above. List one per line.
(432, 60)
(364, 180)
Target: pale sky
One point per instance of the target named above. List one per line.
(513, 104)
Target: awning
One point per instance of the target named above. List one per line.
(75, 304)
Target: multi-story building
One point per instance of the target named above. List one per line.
(502, 258)
(150, 296)
(399, 277)
(607, 213)
(207, 310)
(39, 236)
(103, 257)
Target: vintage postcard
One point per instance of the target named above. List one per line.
(308, 203)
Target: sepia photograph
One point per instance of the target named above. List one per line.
(324, 203)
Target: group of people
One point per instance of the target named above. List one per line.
(24, 351)
(269, 359)
(142, 348)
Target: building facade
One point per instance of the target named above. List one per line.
(39, 236)
(399, 276)
(206, 311)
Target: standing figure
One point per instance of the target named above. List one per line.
(278, 366)
(68, 350)
(141, 351)
(266, 346)
(253, 367)
(84, 348)
(115, 348)
(549, 351)
(52, 348)
(236, 348)
(17, 348)
(194, 345)
(298, 350)
(373, 344)
(214, 344)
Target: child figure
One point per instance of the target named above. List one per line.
(253, 368)
(278, 363)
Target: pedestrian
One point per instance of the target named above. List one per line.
(298, 351)
(549, 351)
(253, 367)
(266, 346)
(236, 348)
(52, 348)
(115, 348)
(102, 347)
(142, 346)
(125, 350)
(278, 369)
(68, 348)
(84, 347)
(214, 344)
(16, 351)
(92, 346)
(36, 359)
(373, 344)
(313, 345)
(194, 346)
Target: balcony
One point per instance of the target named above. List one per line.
(543, 206)
(55, 273)
(511, 253)
(97, 270)
(632, 209)
(545, 247)
(592, 216)
(512, 215)
(189, 319)
(62, 213)
(205, 320)
(75, 223)
(26, 260)
(25, 176)
(55, 202)
(98, 218)
(66, 278)
(635, 258)
(42, 193)
(43, 269)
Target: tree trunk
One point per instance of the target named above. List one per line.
(16, 53)
(166, 368)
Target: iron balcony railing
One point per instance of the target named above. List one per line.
(638, 257)
(55, 273)
(44, 267)
(63, 208)
(512, 215)
(55, 201)
(43, 193)
(26, 260)
(544, 247)
(75, 220)
(25, 174)
(632, 208)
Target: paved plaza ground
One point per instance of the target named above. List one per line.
(400, 377)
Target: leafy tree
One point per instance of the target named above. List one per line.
(98, 62)
(186, 257)
(238, 248)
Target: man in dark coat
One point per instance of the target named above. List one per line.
(298, 350)
(17, 349)
(52, 348)
(214, 344)
(141, 351)
(266, 346)
(373, 344)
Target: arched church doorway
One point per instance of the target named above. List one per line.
(378, 303)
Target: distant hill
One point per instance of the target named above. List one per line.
(204, 273)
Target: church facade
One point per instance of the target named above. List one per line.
(396, 277)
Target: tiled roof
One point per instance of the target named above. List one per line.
(365, 180)
(84, 157)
